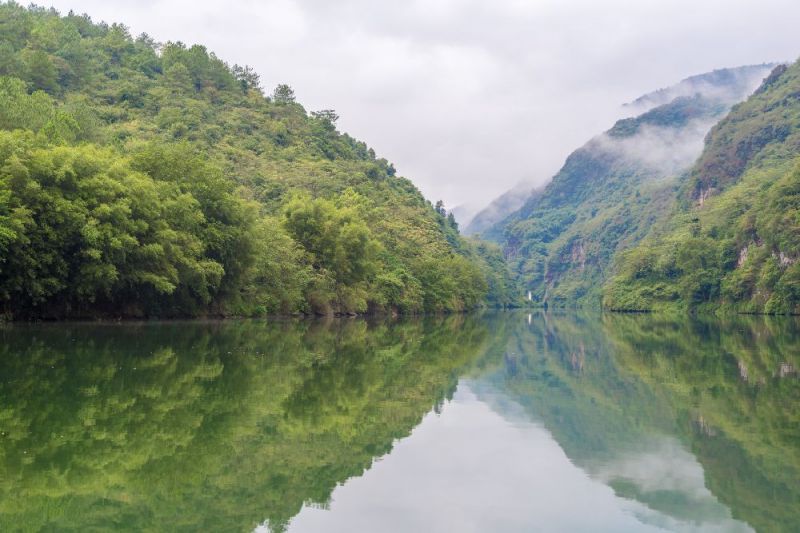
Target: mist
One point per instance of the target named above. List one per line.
(666, 151)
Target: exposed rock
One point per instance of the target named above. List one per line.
(786, 369)
(785, 260)
(705, 194)
(742, 256)
(703, 427)
(742, 370)
(578, 254)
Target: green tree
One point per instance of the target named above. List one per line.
(283, 94)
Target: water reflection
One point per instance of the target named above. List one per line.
(504, 422)
(616, 427)
(469, 470)
(733, 401)
(214, 427)
(660, 412)
(695, 418)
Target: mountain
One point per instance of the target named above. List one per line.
(728, 84)
(148, 179)
(733, 241)
(500, 208)
(613, 190)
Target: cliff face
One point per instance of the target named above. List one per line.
(766, 125)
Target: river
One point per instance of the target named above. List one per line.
(510, 421)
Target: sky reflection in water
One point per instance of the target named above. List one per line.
(480, 466)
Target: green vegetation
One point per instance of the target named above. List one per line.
(203, 425)
(611, 192)
(733, 242)
(635, 222)
(140, 179)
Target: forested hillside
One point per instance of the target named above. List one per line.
(612, 191)
(141, 179)
(734, 241)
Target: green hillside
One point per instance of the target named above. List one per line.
(733, 242)
(613, 190)
(141, 179)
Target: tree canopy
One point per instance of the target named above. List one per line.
(148, 179)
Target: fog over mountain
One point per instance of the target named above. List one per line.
(658, 147)
(726, 84)
(469, 98)
(612, 190)
(499, 208)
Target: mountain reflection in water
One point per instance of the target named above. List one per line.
(494, 421)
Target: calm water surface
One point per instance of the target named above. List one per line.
(493, 422)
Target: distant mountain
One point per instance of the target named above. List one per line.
(500, 208)
(734, 240)
(463, 214)
(613, 190)
(728, 84)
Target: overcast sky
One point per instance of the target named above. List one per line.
(468, 97)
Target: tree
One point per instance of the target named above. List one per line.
(41, 71)
(283, 94)
(337, 237)
(451, 220)
(261, 207)
(328, 115)
(247, 77)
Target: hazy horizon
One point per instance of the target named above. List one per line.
(466, 98)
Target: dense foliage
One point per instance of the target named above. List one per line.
(609, 194)
(141, 179)
(734, 241)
